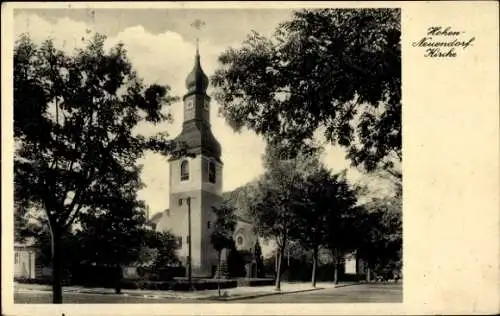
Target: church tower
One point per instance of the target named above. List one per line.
(198, 178)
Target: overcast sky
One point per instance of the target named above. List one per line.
(161, 46)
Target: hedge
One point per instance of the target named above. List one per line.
(255, 282)
(178, 285)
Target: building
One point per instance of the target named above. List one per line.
(196, 182)
(24, 261)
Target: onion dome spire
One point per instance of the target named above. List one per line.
(197, 81)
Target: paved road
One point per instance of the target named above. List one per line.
(364, 293)
(78, 298)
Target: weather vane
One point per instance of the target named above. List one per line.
(198, 24)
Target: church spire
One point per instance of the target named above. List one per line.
(197, 81)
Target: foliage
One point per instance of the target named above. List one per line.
(277, 195)
(236, 263)
(328, 198)
(380, 233)
(334, 68)
(166, 246)
(259, 260)
(221, 237)
(223, 228)
(74, 127)
(113, 236)
(323, 219)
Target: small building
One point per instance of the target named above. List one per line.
(24, 261)
(354, 265)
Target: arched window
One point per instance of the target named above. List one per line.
(239, 240)
(211, 172)
(184, 170)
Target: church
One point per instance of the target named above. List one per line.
(196, 186)
(196, 183)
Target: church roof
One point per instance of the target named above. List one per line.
(197, 81)
(156, 217)
(198, 138)
(236, 199)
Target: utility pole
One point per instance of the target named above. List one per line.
(188, 200)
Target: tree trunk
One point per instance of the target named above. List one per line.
(278, 270)
(315, 262)
(336, 267)
(336, 273)
(368, 274)
(118, 288)
(57, 268)
(218, 271)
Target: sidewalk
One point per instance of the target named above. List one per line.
(226, 294)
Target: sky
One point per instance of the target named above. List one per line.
(161, 46)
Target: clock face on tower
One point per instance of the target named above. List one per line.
(189, 105)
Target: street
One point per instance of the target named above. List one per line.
(363, 293)
(79, 298)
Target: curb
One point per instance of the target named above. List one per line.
(244, 297)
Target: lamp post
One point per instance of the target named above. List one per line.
(189, 261)
(188, 201)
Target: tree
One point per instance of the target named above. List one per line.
(277, 194)
(259, 260)
(333, 70)
(166, 246)
(380, 233)
(21, 223)
(74, 127)
(222, 233)
(114, 236)
(323, 217)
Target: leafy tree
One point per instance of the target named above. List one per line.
(222, 233)
(112, 237)
(276, 195)
(74, 127)
(333, 70)
(236, 261)
(259, 260)
(166, 246)
(379, 233)
(323, 219)
(21, 223)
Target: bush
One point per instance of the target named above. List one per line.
(41, 280)
(203, 284)
(99, 276)
(162, 274)
(177, 285)
(255, 282)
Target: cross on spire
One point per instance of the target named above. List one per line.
(198, 24)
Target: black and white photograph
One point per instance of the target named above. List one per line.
(193, 155)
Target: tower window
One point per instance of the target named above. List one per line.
(211, 172)
(184, 170)
(239, 240)
(208, 224)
